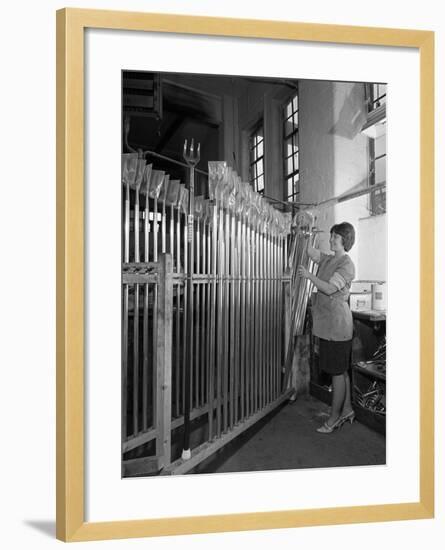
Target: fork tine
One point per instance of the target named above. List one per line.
(189, 154)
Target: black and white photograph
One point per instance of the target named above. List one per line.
(205, 274)
(254, 273)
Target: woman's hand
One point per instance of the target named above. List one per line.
(303, 272)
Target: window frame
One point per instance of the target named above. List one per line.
(253, 164)
(294, 136)
(377, 200)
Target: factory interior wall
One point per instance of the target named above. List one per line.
(333, 161)
(263, 102)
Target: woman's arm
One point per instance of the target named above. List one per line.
(323, 286)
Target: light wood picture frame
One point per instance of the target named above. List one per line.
(71, 26)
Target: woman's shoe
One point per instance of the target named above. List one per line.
(350, 417)
(326, 429)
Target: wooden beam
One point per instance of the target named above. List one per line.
(163, 359)
(141, 466)
(174, 127)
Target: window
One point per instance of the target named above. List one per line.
(376, 97)
(256, 159)
(291, 150)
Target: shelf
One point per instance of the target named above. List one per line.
(370, 315)
(369, 418)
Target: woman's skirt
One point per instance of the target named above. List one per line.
(334, 356)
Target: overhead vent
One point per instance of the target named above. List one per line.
(141, 94)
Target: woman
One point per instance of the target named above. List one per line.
(332, 319)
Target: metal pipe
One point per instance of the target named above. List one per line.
(185, 310)
(282, 248)
(261, 362)
(155, 307)
(127, 223)
(242, 256)
(266, 333)
(232, 344)
(220, 321)
(172, 237)
(136, 315)
(145, 351)
(178, 316)
(197, 235)
(173, 161)
(209, 334)
(136, 359)
(163, 225)
(204, 288)
(236, 315)
(125, 362)
(277, 308)
(271, 317)
(251, 323)
(178, 242)
(226, 243)
(263, 335)
(256, 317)
(248, 322)
(155, 230)
(191, 160)
(213, 333)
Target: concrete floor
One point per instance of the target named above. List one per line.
(287, 439)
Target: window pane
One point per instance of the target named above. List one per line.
(289, 166)
(290, 187)
(378, 94)
(380, 146)
(380, 170)
(288, 110)
(260, 183)
(260, 150)
(290, 146)
(289, 127)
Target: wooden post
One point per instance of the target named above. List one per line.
(164, 359)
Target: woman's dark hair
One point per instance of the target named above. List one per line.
(347, 233)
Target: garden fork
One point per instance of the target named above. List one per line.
(192, 159)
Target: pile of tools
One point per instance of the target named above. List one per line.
(374, 396)
(303, 235)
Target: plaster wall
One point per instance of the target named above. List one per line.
(334, 160)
